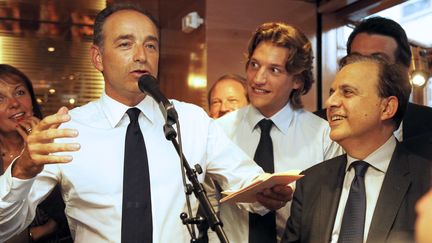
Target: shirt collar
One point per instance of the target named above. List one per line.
(115, 111)
(282, 119)
(380, 158)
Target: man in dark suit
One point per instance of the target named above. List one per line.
(420, 145)
(368, 101)
(383, 37)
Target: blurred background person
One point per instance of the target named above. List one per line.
(378, 36)
(227, 94)
(19, 112)
(423, 224)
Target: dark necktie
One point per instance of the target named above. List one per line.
(136, 211)
(263, 228)
(353, 220)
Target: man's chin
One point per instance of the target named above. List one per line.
(335, 136)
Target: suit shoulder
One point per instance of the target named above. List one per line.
(416, 108)
(417, 161)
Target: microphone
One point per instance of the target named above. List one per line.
(148, 84)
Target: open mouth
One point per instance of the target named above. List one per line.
(337, 117)
(260, 91)
(18, 116)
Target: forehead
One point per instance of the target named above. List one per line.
(370, 44)
(227, 85)
(269, 53)
(360, 74)
(10, 79)
(129, 22)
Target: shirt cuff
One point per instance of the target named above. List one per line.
(255, 207)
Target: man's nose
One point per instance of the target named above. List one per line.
(140, 54)
(227, 106)
(333, 101)
(260, 76)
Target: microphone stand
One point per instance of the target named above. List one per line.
(210, 217)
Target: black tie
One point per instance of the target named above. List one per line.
(136, 211)
(353, 220)
(263, 228)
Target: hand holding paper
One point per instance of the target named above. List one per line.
(248, 194)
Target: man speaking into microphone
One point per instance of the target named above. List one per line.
(148, 84)
(120, 177)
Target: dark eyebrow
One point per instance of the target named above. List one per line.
(20, 86)
(381, 55)
(152, 38)
(345, 86)
(124, 37)
(274, 65)
(131, 37)
(376, 54)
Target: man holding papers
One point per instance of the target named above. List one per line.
(273, 128)
(368, 194)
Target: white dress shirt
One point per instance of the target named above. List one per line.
(378, 162)
(398, 133)
(300, 140)
(92, 183)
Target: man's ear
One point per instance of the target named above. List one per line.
(96, 57)
(389, 107)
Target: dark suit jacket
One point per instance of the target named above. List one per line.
(420, 145)
(417, 120)
(317, 194)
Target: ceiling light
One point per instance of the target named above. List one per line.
(418, 78)
(419, 69)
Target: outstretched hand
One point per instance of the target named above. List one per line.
(276, 197)
(41, 146)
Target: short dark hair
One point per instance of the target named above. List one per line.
(393, 80)
(102, 16)
(386, 27)
(8, 71)
(234, 77)
(300, 58)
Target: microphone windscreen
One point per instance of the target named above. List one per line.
(147, 82)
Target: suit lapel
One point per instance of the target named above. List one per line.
(330, 195)
(393, 190)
